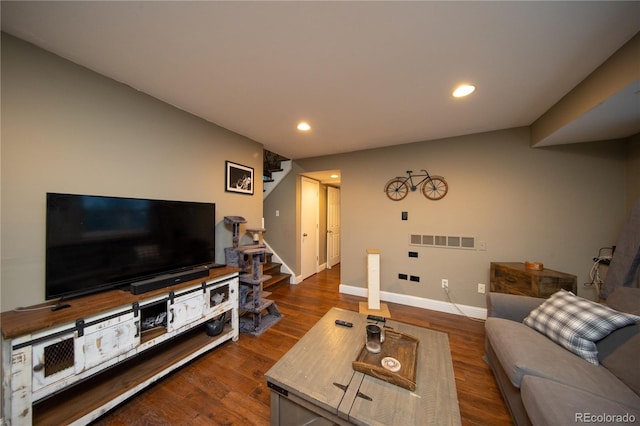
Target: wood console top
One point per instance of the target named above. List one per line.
(27, 320)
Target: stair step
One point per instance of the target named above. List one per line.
(271, 267)
(276, 279)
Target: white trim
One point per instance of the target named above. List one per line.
(309, 206)
(298, 278)
(419, 302)
(285, 268)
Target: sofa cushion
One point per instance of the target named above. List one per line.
(625, 299)
(577, 323)
(619, 351)
(523, 351)
(511, 306)
(551, 403)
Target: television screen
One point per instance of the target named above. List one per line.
(95, 243)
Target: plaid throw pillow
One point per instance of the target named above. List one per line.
(576, 323)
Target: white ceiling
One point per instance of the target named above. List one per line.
(364, 74)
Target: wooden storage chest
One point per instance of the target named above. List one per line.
(514, 278)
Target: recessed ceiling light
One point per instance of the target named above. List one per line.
(463, 90)
(303, 126)
(334, 176)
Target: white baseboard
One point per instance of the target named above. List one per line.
(295, 279)
(284, 268)
(298, 279)
(419, 302)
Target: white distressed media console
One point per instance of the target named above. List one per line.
(72, 365)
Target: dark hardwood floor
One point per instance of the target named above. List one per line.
(227, 387)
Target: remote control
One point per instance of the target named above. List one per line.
(344, 323)
(376, 318)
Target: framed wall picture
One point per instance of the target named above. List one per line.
(239, 178)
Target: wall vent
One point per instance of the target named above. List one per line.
(443, 241)
(468, 242)
(416, 240)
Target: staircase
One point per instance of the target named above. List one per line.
(275, 168)
(273, 269)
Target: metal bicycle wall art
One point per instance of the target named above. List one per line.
(433, 187)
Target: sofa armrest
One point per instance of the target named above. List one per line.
(511, 306)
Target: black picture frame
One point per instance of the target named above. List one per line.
(239, 178)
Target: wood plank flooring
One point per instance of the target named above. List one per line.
(227, 387)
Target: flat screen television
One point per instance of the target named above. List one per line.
(96, 243)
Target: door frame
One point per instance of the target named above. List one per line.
(330, 232)
(309, 207)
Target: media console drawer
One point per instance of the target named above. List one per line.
(514, 278)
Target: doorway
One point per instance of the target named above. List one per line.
(309, 200)
(333, 226)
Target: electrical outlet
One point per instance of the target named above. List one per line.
(413, 254)
(481, 288)
(405, 215)
(414, 278)
(445, 283)
(402, 276)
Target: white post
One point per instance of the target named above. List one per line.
(373, 278)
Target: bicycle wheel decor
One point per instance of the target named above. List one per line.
(432, 187)
(435, 188)
(396, 189)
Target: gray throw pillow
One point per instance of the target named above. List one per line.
(576, 323)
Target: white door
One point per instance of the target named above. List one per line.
(309, 227)
(333, 226)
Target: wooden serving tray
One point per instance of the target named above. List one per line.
(398, 345)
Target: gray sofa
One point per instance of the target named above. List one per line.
(545, 384)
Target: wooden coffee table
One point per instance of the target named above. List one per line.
(315, 380)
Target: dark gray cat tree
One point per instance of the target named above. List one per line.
(257, 312)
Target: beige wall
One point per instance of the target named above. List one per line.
(67, 129)
(555, 205)
(633, 173)
(282, 228)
